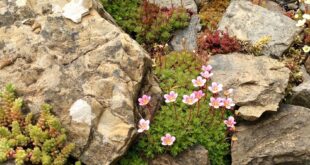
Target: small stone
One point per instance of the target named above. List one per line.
(21, 3)
(81, 112)
(75, 10)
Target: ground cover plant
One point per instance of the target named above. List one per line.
(146, 22)
(211, 13)
(195, 112)
(217, 42)
(27, 140)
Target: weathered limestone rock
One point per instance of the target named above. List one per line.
(280, 138)
(91, 73)
(259, 82)
(196, 155)
(185, 39)
(249, 22)
(301, 93)
(188, 4)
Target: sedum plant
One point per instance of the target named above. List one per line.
(145, 21)
(25, 140)
(217, 42)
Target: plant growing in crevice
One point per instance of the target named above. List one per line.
(217, 42)
(26, 140)
(194, 112)
(146, 22)
(211, 13)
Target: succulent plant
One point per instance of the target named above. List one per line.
(27, 140)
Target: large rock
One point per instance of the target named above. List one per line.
(249, 22)
(301, 93)
(281, 138)
(196, 155)
(91, 73)
(188, 4)
(185, 39)
(259, 82)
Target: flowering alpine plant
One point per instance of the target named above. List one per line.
(167, 140)
(215, 88)
(207, 68)
(171, 97)
(144, 100)
(230, 122)
(190, 100)
(207, 75)
(216, 102)
(228, 103)
(199, 94)
(144, 125)
(199, 82)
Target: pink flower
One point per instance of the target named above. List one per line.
(215, 87)
(190, 100)
(144, 125)
(171, 97)
(206, 74)
(144, 100)
(230, 123)
(207, 68)
(167, 140)
(216, 102)
(199, 94)
(228, 103)
(199, 82)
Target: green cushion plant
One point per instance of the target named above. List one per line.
(188, 124)
(146, 22)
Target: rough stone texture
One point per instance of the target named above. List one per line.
(307, 64)
(186, 38)
(273, 6)
(301, 93)
(196, 155)
(259, 82)
(188, 4)
(280, 138)
(249, 22)
(51, 59)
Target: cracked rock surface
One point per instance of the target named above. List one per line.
(279, 138)
(63, 62)
(259, 83)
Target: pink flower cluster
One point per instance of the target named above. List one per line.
(215, 101)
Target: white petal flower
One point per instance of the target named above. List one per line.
(301, 22)
(306, 48)
(306, 16)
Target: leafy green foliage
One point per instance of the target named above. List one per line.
(175, 73)
(146, 22)
(44, 142)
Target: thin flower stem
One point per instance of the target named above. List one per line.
(190, 115)
(198, 111)
(222, 112)
(175, 111)
(149, 137)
